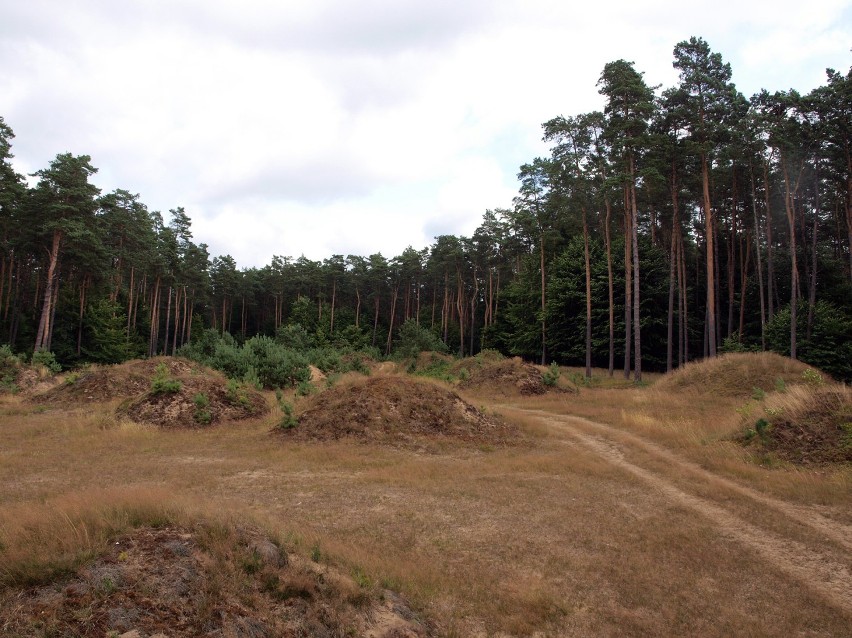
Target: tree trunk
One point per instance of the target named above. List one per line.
(610, 284)
(711, 281)
(770, 262)
(392, 316)
(168, 318)
(634, 233)
(794, 268)
(588, 296)
(628, 284)
(43, 333)
(759, 265)
(543, 303)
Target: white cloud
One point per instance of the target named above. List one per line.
(330, 127)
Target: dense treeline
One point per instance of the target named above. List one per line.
(674, 224)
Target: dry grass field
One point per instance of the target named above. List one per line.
(626, 512)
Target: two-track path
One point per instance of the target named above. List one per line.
(811, 548)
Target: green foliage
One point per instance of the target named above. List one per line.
(780, 385)
(295, 337)
(412, 339)
(305, 388)
(47, 360)
(106, 336)
(830, 345)
(9, 365)
(757, 394)
(237, 394)
(288, 419)
(550, 377)
(812, 377)
(260, 361)
(163, 382)
(734, 344)
(202, 414)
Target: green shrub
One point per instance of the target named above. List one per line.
(46, 359)
(202, 414)
(163, 382)
(9, 365)
(550, 377)
(236, 394)
(830, 345)
(412, 339)
(288, 420)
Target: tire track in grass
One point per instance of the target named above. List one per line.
(823, 574)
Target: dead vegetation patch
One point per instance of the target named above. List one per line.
(735, 374)
(807, 425)
(398, 410)
(502, 376)
(190, 395)
(205, 580)
(98, 383)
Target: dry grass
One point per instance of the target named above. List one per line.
(734, 374)
(551, 538)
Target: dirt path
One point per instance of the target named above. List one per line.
(823, 569)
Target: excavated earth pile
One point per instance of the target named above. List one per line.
(397, 410)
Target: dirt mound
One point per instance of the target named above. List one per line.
(197, 401)
(179, 583)
(503, 376)
(807, 424)
(735, 374)
(120, 381)
(397, 410)
(187, 393)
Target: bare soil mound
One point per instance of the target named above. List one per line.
(502, 376)
(199, 400)
(190, 395)
(121, 381)
(807, 425)
(735, 374)
(179, 583)
(397, 410)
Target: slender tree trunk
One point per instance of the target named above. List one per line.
(392, 316)
(759, 264)
(588, 295)
(670, 323)
(168, 319)
(177, 319)
(333, 300)
(42, 335)
(543, 303)
(770, 262)
(634, 233)
(52, 323)
(357, 307)
(813, 281)
(80, 315)
(628, 284)
(711, 281)
(610, 285)
(375, 321)
(794, 269)
(745, 257)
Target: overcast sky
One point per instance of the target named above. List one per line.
(318, 127)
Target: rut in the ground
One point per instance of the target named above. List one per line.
(827, 576)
